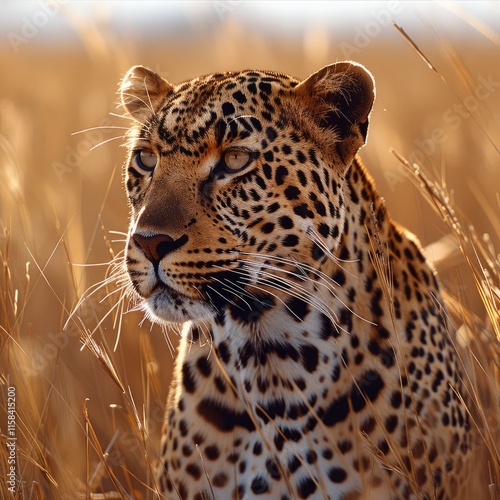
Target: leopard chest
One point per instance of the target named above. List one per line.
(287, 416)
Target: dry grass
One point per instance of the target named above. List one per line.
(88, 420)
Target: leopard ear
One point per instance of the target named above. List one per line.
(142, 91)
(339, 98)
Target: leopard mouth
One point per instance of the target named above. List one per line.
(167, 303)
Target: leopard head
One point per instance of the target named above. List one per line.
(233, 177)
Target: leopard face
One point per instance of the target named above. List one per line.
(231, 167)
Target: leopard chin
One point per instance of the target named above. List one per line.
(167, 305)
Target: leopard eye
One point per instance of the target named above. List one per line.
(146, 160)
(235, 160)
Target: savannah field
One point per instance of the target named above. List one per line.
(89, 388)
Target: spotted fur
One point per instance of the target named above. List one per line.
(315, 359)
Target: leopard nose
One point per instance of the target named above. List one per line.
(157, 246)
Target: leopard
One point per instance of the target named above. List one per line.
(315, 357)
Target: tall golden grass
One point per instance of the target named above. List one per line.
(88, 411)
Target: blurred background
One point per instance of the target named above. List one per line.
(63, 213)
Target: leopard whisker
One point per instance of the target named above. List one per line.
(117, 115)
(326, 285)
(206, 330)
(301, 293)
(106, 141)
(147, 316)
(137, 98)
(119, 318)
(277, 298)
(121, 290)
(151, 107)
(223, 297)
(112, 309)
(168, 340)
(316, 238)
(114, 278)
(100, 127)
(93, 264)
(237, 289)
(231, 289)
(89, 292)
(273, 279)
(202, 326)
(303, 268)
